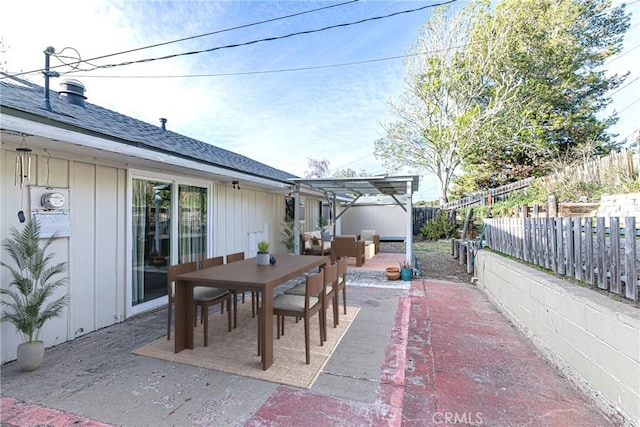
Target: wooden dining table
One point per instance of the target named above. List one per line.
(242, 276)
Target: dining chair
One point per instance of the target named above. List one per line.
(304, 307)
(342, 283)
(212, 262)
(203, 297)
(331, 285)
(239, 256)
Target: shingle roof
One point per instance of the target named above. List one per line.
(27, 97)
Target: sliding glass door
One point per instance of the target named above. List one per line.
(192, 220)
(157, 240)
(151, 225)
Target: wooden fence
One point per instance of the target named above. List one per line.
(610, 170)
(422, 215)
(604, 255)
(492, 195)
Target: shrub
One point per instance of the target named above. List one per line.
(439, 228)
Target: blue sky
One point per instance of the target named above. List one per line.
(279, 118)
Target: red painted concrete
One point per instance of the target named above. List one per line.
(452, 359)
(15, 413)
(488, 373)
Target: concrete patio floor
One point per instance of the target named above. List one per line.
(419, 353)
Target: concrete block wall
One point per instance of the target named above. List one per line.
(592, 338)
(620, 205)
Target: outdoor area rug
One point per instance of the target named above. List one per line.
(236, 352)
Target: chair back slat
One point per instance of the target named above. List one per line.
(330, 274)
(239, 256)
(212, 262)
(342, 266)
(175, 270)
(315, 286)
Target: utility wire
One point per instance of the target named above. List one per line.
(270, 38)
(79, 61)
(283, 70)
(628, 106)
(620, 88)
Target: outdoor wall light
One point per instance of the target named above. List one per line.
(236, 185)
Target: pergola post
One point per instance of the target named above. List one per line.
(409, 237)
(296, 221)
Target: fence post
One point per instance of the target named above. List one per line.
(465, 227)
(552, 206)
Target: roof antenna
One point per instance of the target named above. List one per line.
(46, 103)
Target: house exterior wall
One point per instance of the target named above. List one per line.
(236, 213)
(390, 221)
(94, 250)
(97, 249)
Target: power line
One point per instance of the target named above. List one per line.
(283, 70)
(269, 38)
(79, 61)
(628, 106)
(620, 88)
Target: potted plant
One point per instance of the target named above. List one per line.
(393, 273)
(263, 253)
(28, 305)
(406, 272)
(288, 233)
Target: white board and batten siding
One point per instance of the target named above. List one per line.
(96, 249)
(239, 214)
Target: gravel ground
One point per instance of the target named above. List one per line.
(434, 265)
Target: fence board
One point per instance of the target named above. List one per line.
(553, 243)
(577, 247)
(631, 267)
(601, 254)
(560, 242)
(566, 245)
(615, 260)
(569, 245)
(588, 250)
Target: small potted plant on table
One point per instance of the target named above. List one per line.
(263, 253)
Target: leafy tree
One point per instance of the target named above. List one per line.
(350, 173)
(441, 114)
(503, 93)
(317, 168)
(555, 50)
